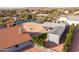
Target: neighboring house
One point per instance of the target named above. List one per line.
(62, 18)
(73, 20)
(30, 20)
(76, 13)
(11, 40)
(56, 34)
(66, 11)
(34, 12)
(6, 18)
(15, 18)
(42, 14)
(19, 13)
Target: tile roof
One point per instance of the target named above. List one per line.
(10, 37)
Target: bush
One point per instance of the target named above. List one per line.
(34, 39)
(77, 26)
(2, 24)
(43, 36)
(40, 40)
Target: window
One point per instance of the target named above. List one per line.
(54, 21)
(16, 46)
(46, 29)
(58, 21)
(62, 21)
(50, 28)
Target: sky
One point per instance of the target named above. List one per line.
(39, 3)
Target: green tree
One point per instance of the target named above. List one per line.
(40, 40)
(2, 24)
(77, 26)
(27, 16)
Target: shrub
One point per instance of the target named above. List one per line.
(43, 36)
(2, 24)
(40, 40)
(77, 26)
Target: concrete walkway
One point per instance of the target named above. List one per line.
(75, 42)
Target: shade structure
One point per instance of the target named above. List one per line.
(33, 27)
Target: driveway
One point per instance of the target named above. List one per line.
(75, 42)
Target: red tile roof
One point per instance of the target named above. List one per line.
(10, 37)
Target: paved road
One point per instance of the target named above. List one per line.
(75, 42)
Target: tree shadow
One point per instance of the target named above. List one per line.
(50, 44)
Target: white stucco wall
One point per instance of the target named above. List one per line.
(42, 14)
(73, 22)
(53, 38)
(51, 24)
(62, 19)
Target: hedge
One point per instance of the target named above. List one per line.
(69, 38)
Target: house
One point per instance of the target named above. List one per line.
(53, 24)
(42, 15)
(73, 20)
(66, 11)
(6, 18)
(76, 13)
(16, 18)
(30, 20)
(70, 19)
(11, 40)
(55, 34)
(34, 12)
